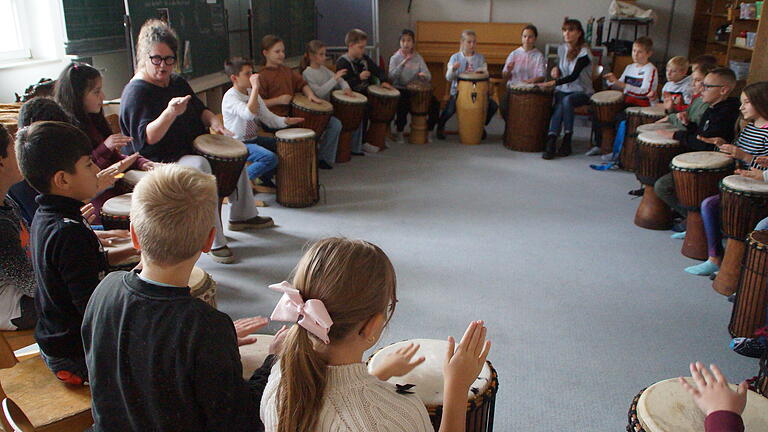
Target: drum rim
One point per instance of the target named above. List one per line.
(311, 110)
(725, 188)
(727, 167)
(357, 101)
(639, 139)
(389, 95)
(302, 139)
(635, 424)
(755, 243)
(618, 93)
(481, 76)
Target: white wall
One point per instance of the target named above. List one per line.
(547, 15)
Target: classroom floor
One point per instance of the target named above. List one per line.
(584, 309)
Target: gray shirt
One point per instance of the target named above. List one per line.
(322, 81)
(402, 73)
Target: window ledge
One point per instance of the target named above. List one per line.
(18, 64)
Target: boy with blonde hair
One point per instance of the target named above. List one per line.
(161, 359)
(640, 79)
(677, 92)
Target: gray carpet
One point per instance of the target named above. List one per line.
(584, 308)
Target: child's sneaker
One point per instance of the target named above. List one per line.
(370, 148)
(69, 378)
(750, 347)
(594, 151)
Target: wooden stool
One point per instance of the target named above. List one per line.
(19, 338)
(47, 403)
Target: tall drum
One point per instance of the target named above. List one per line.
(427, 381)
(743, 203)
(696, 176)
(315, 115)
(116, 212)
(297, 183)
(471, 106)
(606, 105)
(383, 107)
(227, 157)
(628, 150)
(752, 296)
(654, 153)
(350, 111)
(667, 407)
(529, 109)
(420, 92)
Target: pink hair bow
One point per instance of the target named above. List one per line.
(312, 314)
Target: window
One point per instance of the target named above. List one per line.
(12, 44)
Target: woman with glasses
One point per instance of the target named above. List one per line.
(162, 115)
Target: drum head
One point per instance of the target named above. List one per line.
(302, 101)
(383, 92)
(428, 377)
(474, 76)
(294, 134)
(702, 160)
(653, 127)
(118, 206)
(654, 110)
(419, 85)
(132, 177)
(220, 146)
(122, 242)
(197, 278)
(607, 97)
(656, 139)
(745, 184)
(667, 407)
(521, 86)
(634, 110)
(253, 355)
(355, 98)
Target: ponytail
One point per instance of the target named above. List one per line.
(300, 395)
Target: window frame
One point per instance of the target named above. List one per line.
(23, 53)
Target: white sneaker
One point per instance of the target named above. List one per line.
(370, 148)
(594, 151)
(608, 157)
(399, 138)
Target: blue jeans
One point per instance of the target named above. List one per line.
(450, 110)
(357, 140)
(762, 225)
(563, 115)
(329, 141)
(262, 161)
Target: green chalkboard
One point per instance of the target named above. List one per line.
(93, 26)
(200, 24)
(292, 20)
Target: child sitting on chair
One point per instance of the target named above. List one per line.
(677, 92)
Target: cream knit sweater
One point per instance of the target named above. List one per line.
(355, 401)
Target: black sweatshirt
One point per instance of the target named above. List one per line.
(161, 360)
(69, 262)
(581, 63)
(142, 103)
(718, 120)
(355, 67)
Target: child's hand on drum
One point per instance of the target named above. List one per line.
(546, 84)
(116, 142)
(754, 173)
(712, 392)
(244, 328)
(348, 91)
(340, 74)
(716, 141)
(277, 342)
(387, 85)
(398, 363)
(290, 121)
(315, 99)
(463, 365)
(106, 238)
(683, 117)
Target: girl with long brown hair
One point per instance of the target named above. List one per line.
(343, 295)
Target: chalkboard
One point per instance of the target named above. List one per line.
(200, 24)
(291, 20)
(333, 26)
(93, 26)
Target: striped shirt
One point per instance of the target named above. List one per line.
(753, 140)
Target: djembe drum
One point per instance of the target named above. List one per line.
(252, 356)
(202, 286)
(743, 203)
(471, 106)
(606, 105)
(130, 180)
(637, 117)
(297, 183)
(667, 407)
(528, 112)
(315, 115)
(127, 264)
(420, 92)
(751, 297)
(350, 111)
(696, 176)
(382, 109)
(428, 384)
(654, 153)
(116, 212)
(227, 157)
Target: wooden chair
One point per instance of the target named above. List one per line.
(15, 417)
(49, 404)
(19, 338)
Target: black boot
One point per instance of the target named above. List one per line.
(549, 147)
(565, 146)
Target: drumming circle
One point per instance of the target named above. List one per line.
(667, 407)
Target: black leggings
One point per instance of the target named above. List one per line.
(28, 318)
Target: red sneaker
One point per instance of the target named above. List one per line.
(69, 378)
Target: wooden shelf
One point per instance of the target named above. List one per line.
(742, 48)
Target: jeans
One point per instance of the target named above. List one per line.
(357, 139)
(563, 114)
(262, 160)
(665, 190)
(762, 225)
(710, 215)
(74, 365)
(450, 110)
(329, 142)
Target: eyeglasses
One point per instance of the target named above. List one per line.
(709, 86)
(157, 60)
